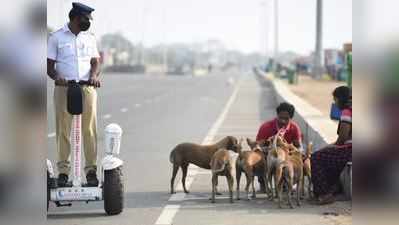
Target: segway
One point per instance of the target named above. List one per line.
(111, 187)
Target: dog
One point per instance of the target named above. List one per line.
(307, 172)
(252, 163)
(223, 164)
(200, 155)
(290, 172)
(277, 154)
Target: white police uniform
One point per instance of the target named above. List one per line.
(72, 53)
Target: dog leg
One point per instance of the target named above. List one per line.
(279, 185)
(183, 179)
(216, 188)
(238, 178)
(248, 176)
(298, 195)
(214, 181)
(302, 187)
(230, 182)
(279, 189)
(310, 193)
(253, 187)
(290, 184)
(172, 181)
(266, 185)
(269, 181)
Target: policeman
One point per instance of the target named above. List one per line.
(72, 55)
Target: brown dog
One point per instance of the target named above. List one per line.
(252, 163)
(276, 156)
(200, 155)
(290, 172)
(306, 166)
(222, 164)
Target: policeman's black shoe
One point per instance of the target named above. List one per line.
(91, 178)
(62, 180)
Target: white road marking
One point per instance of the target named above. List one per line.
(169, 211)
(137, 105)
(178, 197)
(107, 116)
(167, 215)
(124, 110)
(51, 135)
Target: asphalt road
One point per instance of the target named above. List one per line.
(155, 113)
(158, 112)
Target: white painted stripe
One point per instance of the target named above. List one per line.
(167, 215)
(51, 135)
(107, 116)
(169, 212)
(124, 110)
(137, 105)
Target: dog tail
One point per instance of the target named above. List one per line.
(309, 149)
(172, 156)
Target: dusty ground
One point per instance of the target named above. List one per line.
(317, 92)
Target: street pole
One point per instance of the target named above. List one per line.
(276, 34)
(265, 28)
(165, 45)
(318, 68)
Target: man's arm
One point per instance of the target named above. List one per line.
(52, 73)
(94, 72)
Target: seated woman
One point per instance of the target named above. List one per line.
(328, 163)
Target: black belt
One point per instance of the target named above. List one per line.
(81, 82)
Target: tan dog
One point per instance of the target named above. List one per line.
(200, 155)
(290, 172)
(223, 164)
(276, 156)
(306, 166)
(252, 163)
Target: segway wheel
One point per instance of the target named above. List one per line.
(113, 191)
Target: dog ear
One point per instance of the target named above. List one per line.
(251, 144)
(265, 142)
(232, 142)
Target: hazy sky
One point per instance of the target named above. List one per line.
(240, 24)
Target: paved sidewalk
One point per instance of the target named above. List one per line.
(254, 104)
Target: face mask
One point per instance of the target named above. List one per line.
(84, 25)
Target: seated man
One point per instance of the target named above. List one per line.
(287, 127)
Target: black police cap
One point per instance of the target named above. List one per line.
(82, 9)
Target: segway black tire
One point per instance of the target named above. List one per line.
(113, 191)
